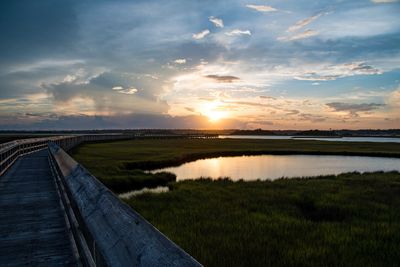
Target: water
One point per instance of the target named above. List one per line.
(269, 167)
(133, 193)
(343, 139)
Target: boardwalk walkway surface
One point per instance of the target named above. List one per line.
(33, 230)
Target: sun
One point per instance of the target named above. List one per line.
(214, 112)
(215, 116)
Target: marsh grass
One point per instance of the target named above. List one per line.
(347, 220)
(120, 164)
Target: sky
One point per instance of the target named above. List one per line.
(271, 64)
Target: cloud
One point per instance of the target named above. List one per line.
(223, 79)
(352, 108)
(131, 121)
(262, 8)
(316, 77)
(383, 1)
(248, 103)
(303, 35)
(180, 61)
(201, 35)
(46, 65)
(393, 100)
(267, 97)
(362, 68)
(127, 91)
(144, 40)
(107, 94)
(237, 32)
(311, 117)
(304, 22)
(292, 112)
(334, 72)
(257, 123)
(190, 109)
(217, 22)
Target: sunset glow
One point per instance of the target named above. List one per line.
(236, 64)
(214, 112)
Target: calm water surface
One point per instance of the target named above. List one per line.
(133, 193)
(272, 167)
(343, 139)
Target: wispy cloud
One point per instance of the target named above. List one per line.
(217, 22)
(304, 22)
(201, 35)
(262, 8)
(316, 77)
(190, 109)
(303, 35)
(311, 117)
(267, 97)
(393, 100)
(223, 79)
(237, 32)
(45, 64)
(352, 108)
(384, 1)
(127, 91)
(180, 61)
(292, 112)
(248, 103)
(334, 72)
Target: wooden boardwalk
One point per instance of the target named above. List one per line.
(33, 230)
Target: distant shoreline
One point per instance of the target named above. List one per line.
(314, 136)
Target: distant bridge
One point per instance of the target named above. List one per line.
(53, 212)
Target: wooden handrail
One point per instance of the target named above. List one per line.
(116, 235)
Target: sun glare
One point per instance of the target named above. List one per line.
(215, 116)
(214, 112)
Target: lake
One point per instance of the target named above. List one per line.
(270, 167)
(343, 139)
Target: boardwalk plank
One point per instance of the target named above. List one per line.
(32, 226)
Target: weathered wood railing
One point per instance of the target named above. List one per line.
(107, 232)
(10, 151)
(104, 231)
